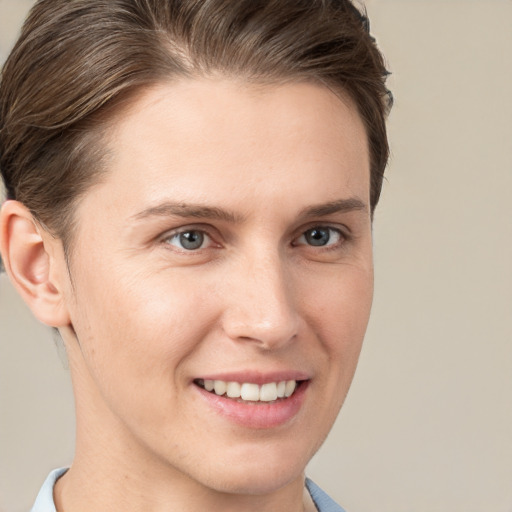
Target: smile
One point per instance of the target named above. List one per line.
(248, 391)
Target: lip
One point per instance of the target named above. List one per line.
(256, 415)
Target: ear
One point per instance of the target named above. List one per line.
(35, 263)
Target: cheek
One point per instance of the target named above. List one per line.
(136, 334)
(341, 306)
(141, 324)
(339, 313)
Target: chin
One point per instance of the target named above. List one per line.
(265, 471)
(255, 482)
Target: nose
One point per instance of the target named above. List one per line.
(261, 305)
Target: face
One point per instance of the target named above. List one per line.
(228, 247)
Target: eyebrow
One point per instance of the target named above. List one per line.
(339, 206)
(170, 209)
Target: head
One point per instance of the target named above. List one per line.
(141, 138)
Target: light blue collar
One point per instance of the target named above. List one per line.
(44, 501)
(323, 502)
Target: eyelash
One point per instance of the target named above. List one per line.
(341, 235)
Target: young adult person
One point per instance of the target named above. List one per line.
(190, 189)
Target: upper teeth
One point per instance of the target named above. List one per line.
(252, 392)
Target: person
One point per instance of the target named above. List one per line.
(190, 191)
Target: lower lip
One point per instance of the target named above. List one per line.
(258, 415)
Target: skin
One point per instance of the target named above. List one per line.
(142, 317)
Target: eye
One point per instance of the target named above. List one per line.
(320, 236)
(190, 240)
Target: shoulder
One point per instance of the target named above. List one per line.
(323, 502)
(44, 501)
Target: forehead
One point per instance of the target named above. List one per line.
(231, 141)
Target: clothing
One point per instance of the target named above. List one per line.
(323, 502)
(44, 501)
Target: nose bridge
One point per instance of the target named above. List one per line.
(262, 306)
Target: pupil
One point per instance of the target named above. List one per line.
(191, 240)
(317, 236)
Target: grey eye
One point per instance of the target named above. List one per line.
(320, 236)
(188, 240)
(317, 236)
(191, 240)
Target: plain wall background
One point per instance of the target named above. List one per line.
(427, 425)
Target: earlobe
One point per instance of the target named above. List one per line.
(33, 264)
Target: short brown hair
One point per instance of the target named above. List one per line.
(75, 59)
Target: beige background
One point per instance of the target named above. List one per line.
(428, 423)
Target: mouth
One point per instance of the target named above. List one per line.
(249, 392)
(254, 401)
